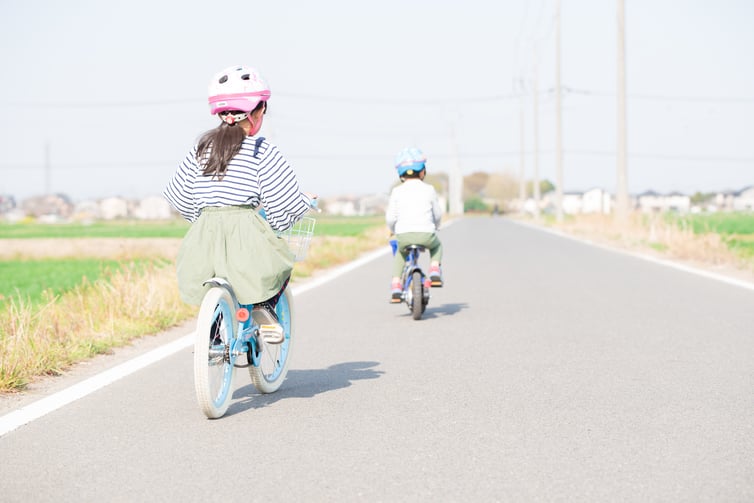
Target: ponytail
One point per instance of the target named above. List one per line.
(218, 146)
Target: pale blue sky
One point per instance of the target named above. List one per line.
(118, 90)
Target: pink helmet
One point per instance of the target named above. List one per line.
(237, 88)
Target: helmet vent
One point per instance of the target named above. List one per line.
(245, 76)
(223, 79)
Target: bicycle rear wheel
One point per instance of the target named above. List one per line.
(417, 295)
(270, 366)
(213, 366)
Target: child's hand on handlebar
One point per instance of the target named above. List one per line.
(313, 200)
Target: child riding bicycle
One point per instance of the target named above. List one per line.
(221, 187)
(414, 215)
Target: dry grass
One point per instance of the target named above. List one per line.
(91, 319)
(330, 251)
(652, 234)
(96, 317)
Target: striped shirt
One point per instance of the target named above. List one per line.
(257, 175)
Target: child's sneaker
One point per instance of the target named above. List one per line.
(396, 292)
(269, 326)
(435, 276)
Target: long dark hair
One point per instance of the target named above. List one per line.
(218, 146)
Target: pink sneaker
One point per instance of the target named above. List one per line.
(396, 292)
(435, 276)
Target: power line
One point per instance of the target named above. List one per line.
(665, 157)
(381, 157)
(312, 97)
(662, 97)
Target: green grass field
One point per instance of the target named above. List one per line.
(130, 229)
(35, 280)
(326, 226)
(736, 229)
(346, 226)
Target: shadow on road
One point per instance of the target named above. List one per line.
(304, 384)
(443, 310)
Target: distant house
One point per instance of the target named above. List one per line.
(735, 200)
(374, 204)
(743, 200)
(86, 211)
(675, 201)
(113, 208)
(653, 202)
(594, 200)
(52, 207)
(7, 203)
(152, 208)
(649, 202)
(573, 202)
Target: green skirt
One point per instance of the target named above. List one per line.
(237, 244)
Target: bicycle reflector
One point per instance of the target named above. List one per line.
(242, 314)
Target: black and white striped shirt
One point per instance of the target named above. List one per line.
(258, 174)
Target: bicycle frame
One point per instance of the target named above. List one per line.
(244, 339)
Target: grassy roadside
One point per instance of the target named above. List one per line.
(721, 242)
(134, 296)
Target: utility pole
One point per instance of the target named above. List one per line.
(558, 121)
(621, 193)
(48, 170)
(522, 167)
(455, 179)
(535, 120)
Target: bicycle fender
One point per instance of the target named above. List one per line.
(223, 283)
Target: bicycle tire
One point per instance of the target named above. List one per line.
(269, 369)
(213, 367)
(417, 295)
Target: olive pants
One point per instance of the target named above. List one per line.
(429, 240)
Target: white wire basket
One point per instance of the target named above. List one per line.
(299, 236)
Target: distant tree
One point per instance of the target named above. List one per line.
(545, 186)
(474, 184)
(702, 197)
(475, 203)
(438, 180)
(501, 187)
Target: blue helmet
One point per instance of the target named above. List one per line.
(410, 160)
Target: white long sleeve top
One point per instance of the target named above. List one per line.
(413, 207)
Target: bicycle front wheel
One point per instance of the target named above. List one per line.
(213, 366)
(270, 366)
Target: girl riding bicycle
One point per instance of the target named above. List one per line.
(414, 215)
(237, 189)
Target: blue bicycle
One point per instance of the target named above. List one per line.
(226, 332)
(415, 283)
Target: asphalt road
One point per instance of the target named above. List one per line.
(545, 370)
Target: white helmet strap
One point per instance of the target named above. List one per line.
(232, 119)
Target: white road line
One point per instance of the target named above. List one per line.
(35, 410)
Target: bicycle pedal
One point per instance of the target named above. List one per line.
(271, 334)
(396, 301)
(436, 284)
